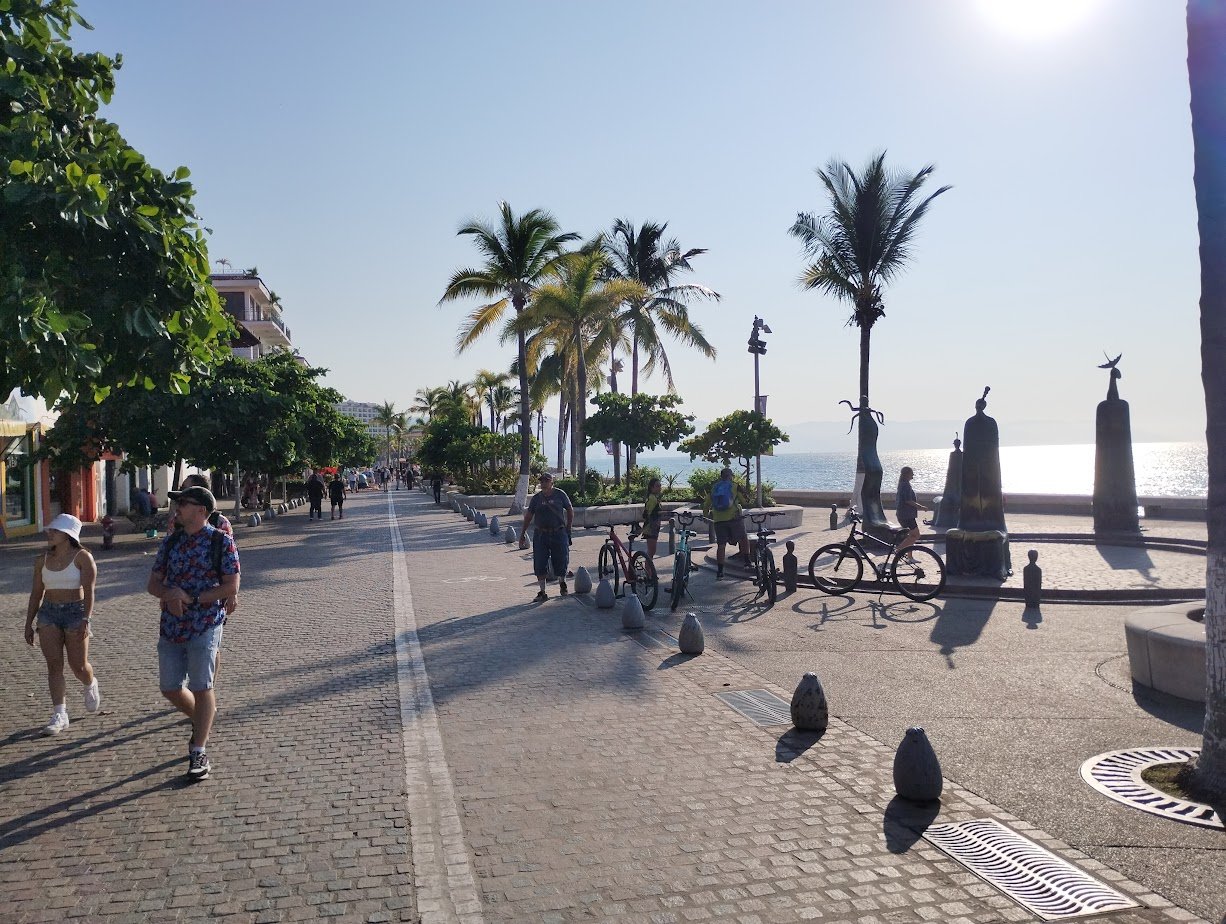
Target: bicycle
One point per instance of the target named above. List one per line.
(763, 559)
(916, 572)
(682, 565)
(617, 561)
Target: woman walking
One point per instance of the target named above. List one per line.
(62, 599)
(336, 494)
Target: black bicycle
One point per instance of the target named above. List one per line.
(916, 572)
(764, 573)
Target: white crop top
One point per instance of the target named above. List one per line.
(67, 579)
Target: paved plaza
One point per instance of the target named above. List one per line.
(404, 735)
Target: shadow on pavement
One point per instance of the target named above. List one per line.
(1182, 713)
(905, 822)
(793, 743)
(960, 627)
(78, 747)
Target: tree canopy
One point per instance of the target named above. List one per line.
(740, 435)
(639, 421)
(104, 273)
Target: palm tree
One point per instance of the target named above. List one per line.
(520, 253)
(1207, 77)
(580, 305)
(427, 401)
(862, 243)
(642, 254)
(484, 384)
(389, 418)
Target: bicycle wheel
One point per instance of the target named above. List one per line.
(767, 574)
(646, 583)
(921, 578)
(681, 577)
(836, 569)
(606, 566)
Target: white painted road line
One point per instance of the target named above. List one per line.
(443, 876)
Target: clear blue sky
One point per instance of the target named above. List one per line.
(338, 147)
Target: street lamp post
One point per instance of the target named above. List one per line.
(757, 346)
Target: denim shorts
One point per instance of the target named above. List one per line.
(66, 616)
(550, 546)
(196, 658)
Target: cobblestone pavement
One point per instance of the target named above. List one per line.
(304, 816)
(404, 737)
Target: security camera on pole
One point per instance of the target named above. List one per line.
(757, 346)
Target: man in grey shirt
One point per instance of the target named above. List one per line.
(553, 513)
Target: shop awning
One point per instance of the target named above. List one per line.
(13, 428)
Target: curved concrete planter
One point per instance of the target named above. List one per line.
(1166, 649)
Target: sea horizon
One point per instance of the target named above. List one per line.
(1163, 469)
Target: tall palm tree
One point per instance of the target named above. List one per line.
(389, 418)
(520, 253)
(580, 304)
(644, 255)
(484, 383)
(427, 401)
(862, 243)
(1207, 78)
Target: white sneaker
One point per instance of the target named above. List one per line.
(93, 698)
(59, 721)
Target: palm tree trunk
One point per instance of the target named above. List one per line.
(525, 416)
(631, 455)
(581, 408)
(617, 447)
(1207, 79)
(562, 422)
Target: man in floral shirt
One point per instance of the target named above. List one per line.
(195, 572)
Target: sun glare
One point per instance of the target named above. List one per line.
(1037, 18)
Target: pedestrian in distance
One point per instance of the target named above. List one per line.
(551, 509)
(315, 489)
(195, 572)
(653, 513)
(62, 600)
(336, 494)
(436, 485)
(907, 507)
(723, 508)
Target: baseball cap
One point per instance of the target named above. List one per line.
(67, 524)
(202, 496)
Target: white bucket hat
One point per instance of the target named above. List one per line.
(67, 524)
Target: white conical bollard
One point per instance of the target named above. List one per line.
(253, 520)
(479, 519)
(455, 505)
(469, 513)
(494, 528)
(508, 535)
(605, 598)
(691, 641)
(583, 581)
(810, 712)
(917, 772)
(632, 614)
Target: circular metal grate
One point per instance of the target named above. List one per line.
(1117, 775)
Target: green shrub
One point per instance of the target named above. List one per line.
(703, 479)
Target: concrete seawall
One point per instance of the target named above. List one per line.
(1167, 508)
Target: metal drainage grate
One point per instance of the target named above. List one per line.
(759, 706)
(1031, 875)
(1117, 775)
(654, 640)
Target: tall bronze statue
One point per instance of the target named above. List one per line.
(868, 464)
(980, 544)
(1115, 483)
(951, 501)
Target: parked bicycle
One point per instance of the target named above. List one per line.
(916, 572)
(763, 559)
(682, 563)
(617, 562)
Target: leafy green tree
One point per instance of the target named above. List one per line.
(639, 421)
(520, 253)
(104, 273)
(390, 419)
(741, 435)
(1207, 79)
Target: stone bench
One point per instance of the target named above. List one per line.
(1166, 649)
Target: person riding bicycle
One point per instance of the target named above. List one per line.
(653, 512)
(723, 508)
(553, 513)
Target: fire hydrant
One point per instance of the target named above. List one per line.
(108, 531)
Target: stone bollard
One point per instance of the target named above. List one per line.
(253, 520)
(479, 519)
(834, 516)
(494, 527)
(810, 712)
(583, 581)
(605, 597)
(469, 513)
(508, 535)
(633, 617)
(455, 505)
(1032, 580)
(690, 639)
(790, 568)
(917, 772)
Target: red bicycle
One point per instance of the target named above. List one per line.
(618, 562)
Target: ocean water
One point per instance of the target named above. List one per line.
(1162, 469)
